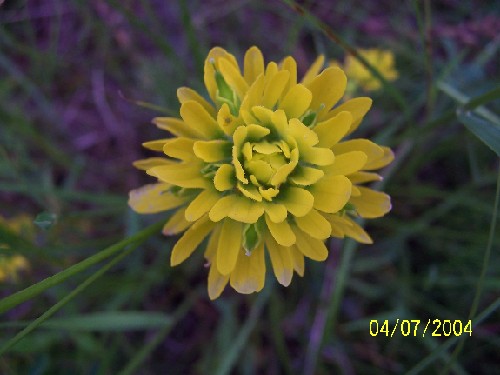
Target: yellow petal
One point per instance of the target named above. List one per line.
(156, 145)
(249, 191)
(153, 198)
(373, 151)
(201, 204)
(176, 224)
(238, 208)
(227, 122)
(198, 119)
(148, 163)
(310, 247)
(296, 101)
(387, 158)
(317, 155)
(297, 201)
(306, 175)
(362, 177)
(371, 203)
(253, 64)
(190, 241)
(276, 212)
(185, 94)
(252, 98)
(176, 126)
(331, 131)
(183, 175)
(229, 246)
(209, 71)
(302, 133)
(343, 226)
(290, 65)
(212, 151)
(233, 77)
(281, 260)
(274, 88)
(314, 69)
(358, 107)
(249, 274)
(225, 178)
(331, 193)
(298, 260)
(284, 171)
(216, 282)
(314, 224)
(327, 88)
(346, 164)
(179, 148)
(282, 232)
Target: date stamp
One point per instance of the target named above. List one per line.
(416, 327)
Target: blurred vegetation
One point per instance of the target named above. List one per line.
(71, 76)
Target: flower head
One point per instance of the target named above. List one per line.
(262, 167)
(11, 264)
(382, 60)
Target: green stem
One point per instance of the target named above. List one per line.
(80, 288)
(13, 300)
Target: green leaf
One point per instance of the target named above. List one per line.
(251, 237)
(486, 131)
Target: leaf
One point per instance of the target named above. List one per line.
(486, 131)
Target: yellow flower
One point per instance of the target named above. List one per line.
(261, 169)
(10, 265)
(382, 60)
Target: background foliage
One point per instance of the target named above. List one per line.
(71, 74)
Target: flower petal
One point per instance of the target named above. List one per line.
(296, 101)
(156, 145)
(297, 201)
(198, 119)
(250, 272)
(298, 260)
(184, 175)
(212, 151)
(176, 126)
(274, 87)
(344, 226)
(310, 247)
(276, 212)
(190, 240)
(281, 260)
(314, 224)
(327, 88)
(290, 65)
(313, 70)
(331, 131)
(148, 163)
(238, 208)
(372, 150)
(185, 94)
(201, 204)
(233, 77)
(282, 232)
(387, 158)
(179, 148)
(209, 71)
(176, 224)
(331, 193)
(229, 246)
(358, 107)
(153, 198)
(216, 282)
(371, 203)
(225, 177)
(253, 64)
(306, 175)
(362, 177)
(346, 164)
